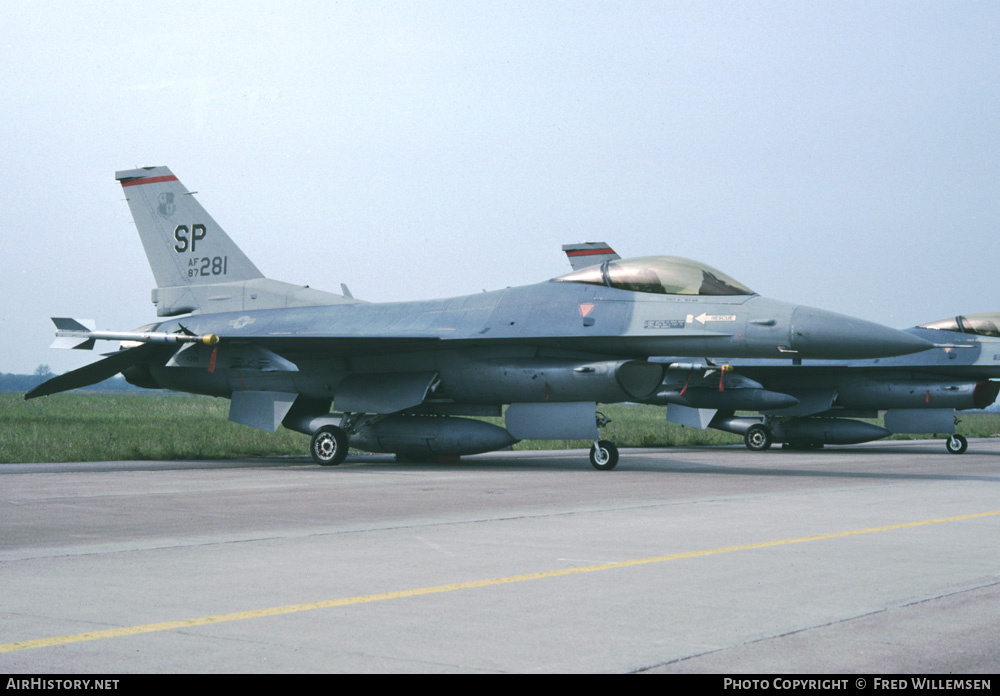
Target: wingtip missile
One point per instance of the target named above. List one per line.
(71, 333)
(72, 340)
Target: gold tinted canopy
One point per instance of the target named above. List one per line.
(662, 275)
(987, 324)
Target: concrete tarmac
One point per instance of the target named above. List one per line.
(872, 559)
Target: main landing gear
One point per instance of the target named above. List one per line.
(329, 446)
(758, 438)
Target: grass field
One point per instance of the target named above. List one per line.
(83, 427)
(86, 426)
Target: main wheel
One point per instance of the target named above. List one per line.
(329, 446)
(757, 438)
(604, 455)
(956, 444)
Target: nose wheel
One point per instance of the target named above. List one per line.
(604, 455)
(956, 444)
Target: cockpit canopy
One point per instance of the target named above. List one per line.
(662, 275)
(979, 324)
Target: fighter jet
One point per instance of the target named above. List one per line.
(809, 405)
(403, 377)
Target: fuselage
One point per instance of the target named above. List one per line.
(548, 326)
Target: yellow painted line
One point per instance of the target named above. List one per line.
(438, 589)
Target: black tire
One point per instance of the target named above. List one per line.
(956, 444)
(604, 455)
(329, 446)
(758, 438)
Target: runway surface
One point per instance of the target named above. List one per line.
(867, 559)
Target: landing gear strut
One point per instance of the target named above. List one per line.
(603, 453)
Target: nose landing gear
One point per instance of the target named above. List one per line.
(604, 455)
(956, 444)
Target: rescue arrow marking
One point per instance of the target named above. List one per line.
(714, 317)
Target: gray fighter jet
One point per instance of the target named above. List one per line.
(809, 405)
(402, 375)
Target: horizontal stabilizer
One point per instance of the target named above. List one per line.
(98, 371)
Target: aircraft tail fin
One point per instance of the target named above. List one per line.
(197, 267)
(587, 254)
(184, 245)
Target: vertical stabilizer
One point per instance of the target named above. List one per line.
(184, 245)
(197, 267)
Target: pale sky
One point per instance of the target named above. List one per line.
(843, 155)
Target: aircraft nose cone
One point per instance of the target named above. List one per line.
(816, 333)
